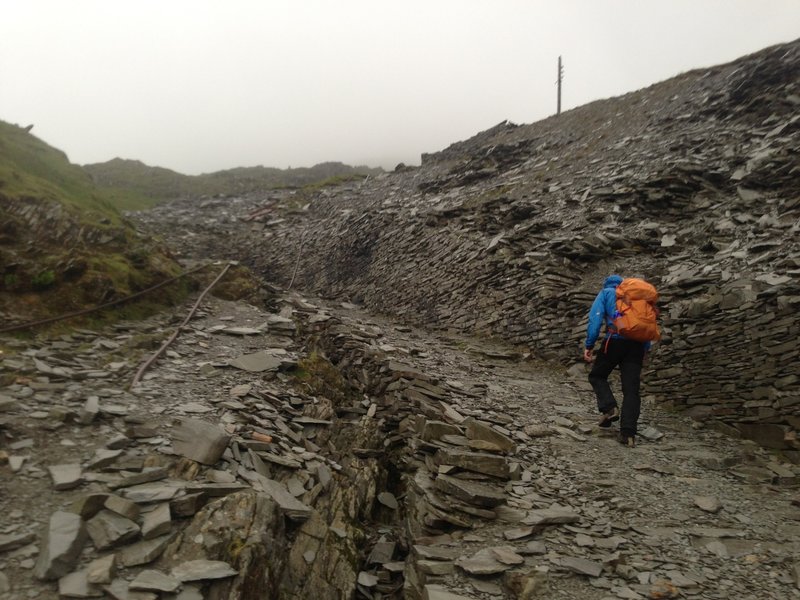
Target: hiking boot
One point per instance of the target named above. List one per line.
(608, 417)
(627, 439)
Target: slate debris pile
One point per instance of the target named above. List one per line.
(204, 457)
(691, 182)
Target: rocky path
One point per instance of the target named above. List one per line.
(486, 477)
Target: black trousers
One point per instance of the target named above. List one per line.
(628, 355)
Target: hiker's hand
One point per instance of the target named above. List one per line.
(587, 355)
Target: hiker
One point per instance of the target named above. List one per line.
(618, 350)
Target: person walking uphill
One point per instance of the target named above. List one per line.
(629, 314)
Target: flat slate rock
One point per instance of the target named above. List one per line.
(108, 529)
(551, 516)
(709, 504)
(483, 562)
(257, 362)
(288, 504)
(10, 541)
(143, 552)
(242, 331)
(478, 462)
(62, 546)
(470, 492)
(65, 477)
(77, 585)
(120, 590)
(198, 570)
(438, 592)
(581, 566)
(146, 493)
(199, 441)
(155, 581)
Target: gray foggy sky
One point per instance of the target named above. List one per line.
(199, 86)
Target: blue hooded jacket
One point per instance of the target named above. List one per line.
(603, 309)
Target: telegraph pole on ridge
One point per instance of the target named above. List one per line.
(560, 78)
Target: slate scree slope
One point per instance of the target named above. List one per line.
(693, 183)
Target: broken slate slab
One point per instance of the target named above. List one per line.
(77, 585)
(143, 552)
(478, 430)
(89, 411)
(62, 546)
(198, 570)
(103, 457)
(122, 506)
(581, 566)
(157, 522)
(199, 441)
(478, 462)
(89, 505)
(143, 494)
(483, 562)
(519, 533)
(438, 592)
(287, 504)
(241, 331)
(257, 362)
(146, 476)
(119, 590)
(435, 430)
(710, 504)
(388, 500)
(10, 541)
(507, 555)
(471, 492)
(551, 516)
(101, 570)
(150, 580)
(108, 529)
(367, 579)
(65, 477)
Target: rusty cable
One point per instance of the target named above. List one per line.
(299, 253)
(87, 311)
(178, 329)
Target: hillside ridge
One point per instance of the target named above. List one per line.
(137, 185)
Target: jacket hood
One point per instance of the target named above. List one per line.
(612, 281)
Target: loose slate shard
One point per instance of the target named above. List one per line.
(155, 581)
(199, 441)
(241, 331)
(483, 562)
(551, 516)
(197, 570)
(582, 566)
(473, 493)
(108, 529)
(62, 547)
(257, 362)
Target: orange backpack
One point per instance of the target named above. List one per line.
(636, 314)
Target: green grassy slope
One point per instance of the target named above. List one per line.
(133, 185)
(63, 243)
(31, 168)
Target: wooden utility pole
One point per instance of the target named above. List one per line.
(560, 78)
